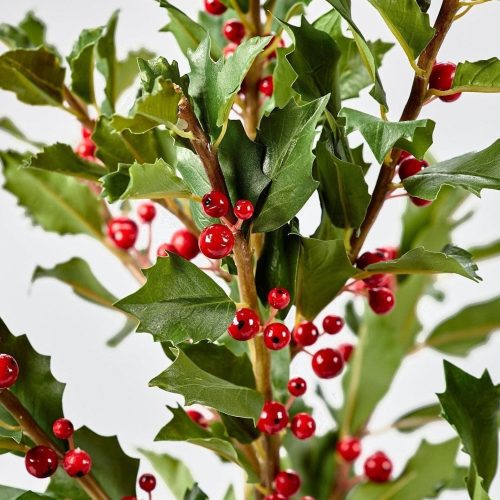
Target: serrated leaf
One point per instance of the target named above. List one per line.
(62, 159)
(478, 76)
(179, 302)
(159, 67)
(8, 126)
(430, 467)
(29, 33)
(283, 78)
(323, 270)
(106, 63)
(198, 386)
(381, 136)
(471, 406)
(127, 70)
(35, 76)
(56, 202)
(472, 171)
(213, 25)
(288, 135)
(415, 419)
(214, 85)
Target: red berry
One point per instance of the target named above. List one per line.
(146, 212)
(420, 202)
(77, 463)
(229, 50)
(62, 428)
(281, 43)
(245, 325)
(86, 133)
(381, 300)
(266, 86)
(303, 426)
(185, 244)
(389, 253)
(86, 149)
(403, 155)
(278, 298)
(123, 231)
(215, 204)
(234, 31)
(275, 496)
(197, 418)
(164, 248)
(9, 371)
(273, 418)
(276, 336)
(215, 7)
(147, 482)
(41, 461)
(327, 363)
(346, 351)
(297, 386)
(378, 467)
(216, 241)
(411, 166)
(287, 482)
(349, 448)
(305, 333)
(243, 209)
(441, 78)
(365, 260)
(333, 324)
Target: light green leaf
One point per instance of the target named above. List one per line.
(288, 135)
(478, 76)
(8, 126)
(416, 419)
(381, 136)
(179, 302)
(30, 33)
(487, 251)
(153, 69)
(127, 70)
(283, 78)
(472, 171)
(195, 493)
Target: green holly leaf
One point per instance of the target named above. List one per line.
(144, 181)
(471, 406)
(213, 25)
(30, 33)
(381, 136)
(175, 290)
(214, 85)
(127, 70)
(34, 75)
(430, 467)
(159, 67)
(472, 171)
(288, 135)
(62, 159)
(478, 76)
(283, 78)
(195, 493)
(323, 270)
(8, 126)
(416, 419)
(185, 377)
(56, 202)
(343, 188)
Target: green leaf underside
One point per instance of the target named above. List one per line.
(478, 76)
(381, 136)
(198, 386)
(179, 302)
(472, 171)
(159, 67)
(471, 406)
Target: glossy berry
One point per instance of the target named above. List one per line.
(297, 386)
(303, 426)
(278, 298)
(389, 253)
(9, 371)
(164, 248)
(123, 231)
(305, 333)
(243, 209)
(411, 166)
(215, 7)
(420, 202)
(229, 50)
(275, 496)
(216, 241)
(287, 482)
(365, 260)
(185, 244)
(266, 86)
(381, 300)
(378, 467)
(333, 324)
(327, 363)
(349, 448)
(62, 428)
(276, 336)
(215, 204)
(234, 31)
(245, 325)
(346, 351)
(77, 463)
(146, 212)
(273, 418)
(86, 133)
(403, 155)
(86, 149)
(147, 482)
(441, 78)
(41, 461)
(197, 418)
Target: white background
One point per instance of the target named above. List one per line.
(107, 389)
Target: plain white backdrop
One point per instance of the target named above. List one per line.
(107, 389)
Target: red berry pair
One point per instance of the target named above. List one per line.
(42, 461)
(183, 243)
(216, 204)
(274, 418)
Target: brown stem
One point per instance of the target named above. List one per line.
(411, 111)
(31, 428)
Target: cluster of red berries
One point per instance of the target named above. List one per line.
(86, 148)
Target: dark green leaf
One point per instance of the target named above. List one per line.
(159, 67)
(415, 419)
(195, 493)
(179, 302)
(487, 251)
(478, 76)
(8, 126)
(381, 136)
(283, 78)
(424, 5)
